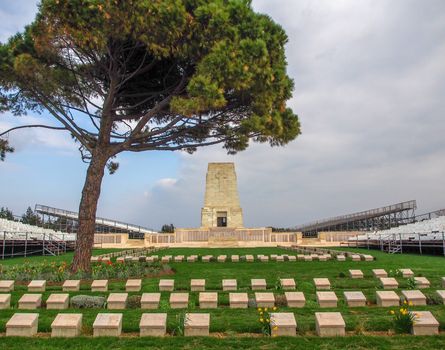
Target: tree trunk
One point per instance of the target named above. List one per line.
(87, 213)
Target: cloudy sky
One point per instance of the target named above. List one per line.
(369, 90)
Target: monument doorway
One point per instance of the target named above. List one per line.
(221, 219)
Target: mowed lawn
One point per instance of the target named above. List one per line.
(367, 327)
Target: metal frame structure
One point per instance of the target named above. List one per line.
(368, 220)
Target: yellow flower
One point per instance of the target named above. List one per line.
(265, 309)
(267, 320)
(404, 302)
(392, 312)
(410, 303)
(259, 309)
(261, 313)
(261, 320)
(275, 328)
(274, 308)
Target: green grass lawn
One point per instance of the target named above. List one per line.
(233, 324)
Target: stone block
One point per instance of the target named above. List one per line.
(425, 324)
(208, 300)
(150, 300)
(22, 325)
(341, 258)
(120, 260)
(250, 258)
(179, 258)
(307, 258)
(322, 257)
(229, 284)
(416, 297)
(387, 298)
(295, 299)
(292, 258)
(117, 301)
(265, 299)
(133, 285)
(196, 324)
(406, 273)
(58, 301)
(279, 258)
(355, 299)
(99, 286)
(166, 285)
(327, 299)
(198, 285)
(66, 325)
(166, 259)
(283, 324)
(154, 257)
(379, 273)
(6, 286)
(441, 294)
(287, 283)
(367, 257)
(153, 325)
(94, 259)
(135, 259)
(422, 282)
(5, 301)
(30, 301)
(389, 283)
(264, 258)
(105, 259)
(238, 300)
(37, 286)
(222, 258)
(355, 274)
(234, 258)
(107, 325)
(179, 300)
(356, 257)
(300, 256)
(71, 286)
(322, 283)
(206, 258)
(192, 258)
(273, 257)
(258, 284)
(314, 257)
(329, 324)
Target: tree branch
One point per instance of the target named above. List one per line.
(33, 126)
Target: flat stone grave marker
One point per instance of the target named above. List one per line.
(105, 259)
(206, 258)
(234, 258)
(416, 297)
(341, 258)
(120, 260)
(117, 301)
(107, 325)
(322, 283)
(196, 324)
(66, 325)
(71, 286)
(327, 299)
(441, 294)
(322, 257)
(287, 283)
(329, 324)
(58, 301)
(295, 299)
(389, 283)
(356, 257)
(198, 285)
(133, 285)
(238, 300)
(30, 301)
(192, 258)
(314, 256)
(265, 299)
(99, 286)
(273, 257)
(150, 300)
(249, 258)
(307, 258)
(166, 258)
(6, 286)
(229, 284)
(279, 258)
(387, 298)
(422, 282)
(300, 256)
(425, 324)
(379, 273)
(283, 324)
(179, 258)
(356, 274)
(264, 258)
(22, 325)
(179, 300)
(258, 284)
(355, 299)
(153, 325)
(5, 301)
(222, 258)
(292, 258)
(37, 286)
(94, 259)
(135, 259)
(166, 285)
(208, 300)
(155, 257)
(407, 273)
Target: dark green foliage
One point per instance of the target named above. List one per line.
(5, 213)
(87, 302)
(168, 228)
(31, 218)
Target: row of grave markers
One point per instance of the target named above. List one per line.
(195, 324)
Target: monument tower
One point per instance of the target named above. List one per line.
(221, 202)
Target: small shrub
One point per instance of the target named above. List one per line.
(180, 320)
(403, 319)
(264, 319)
(434, 299)
(251, 303)
(411, 283)
(280, 300)
(242, 258)
(87, 302)
(342, 275)
(134, 302)
(278, 285)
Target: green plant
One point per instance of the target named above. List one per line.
(403, 319)
(342, 275)
(180, 321)
(164, 305)
(134, 302)
(264, 319)
(278, 285)
(87, 302)
(411, 282)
